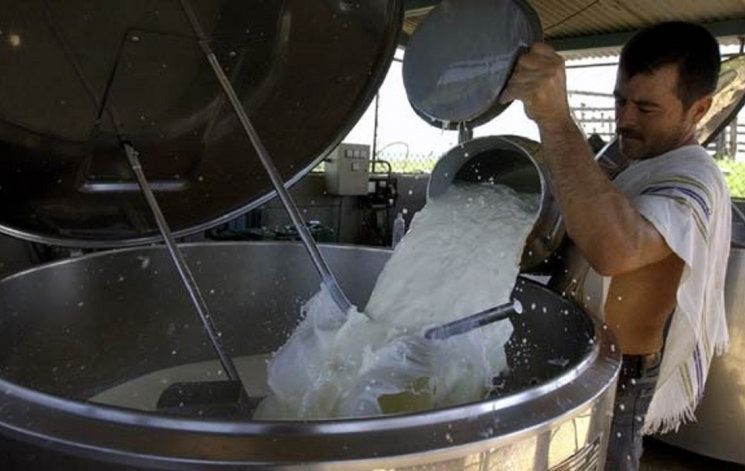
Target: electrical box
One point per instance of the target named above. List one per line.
(347, 170)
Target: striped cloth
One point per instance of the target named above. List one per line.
(684, 195)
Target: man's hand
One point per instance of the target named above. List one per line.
(539, 81)
(609, 231)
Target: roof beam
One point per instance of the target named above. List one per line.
(606, 40)
(598, 41)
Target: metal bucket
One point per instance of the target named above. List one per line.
(513, 161)
(75, 329)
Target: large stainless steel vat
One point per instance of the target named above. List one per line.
(720, 426)
(73, 329)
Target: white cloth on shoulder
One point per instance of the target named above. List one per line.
(682, 193)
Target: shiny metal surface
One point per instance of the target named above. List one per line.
(609, 158)
(461, 55)
(305, 70)
(182, 268)
(474, 321)
(720, 417)
(513, 161)
(78, 327)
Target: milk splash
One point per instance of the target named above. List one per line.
(460, 257)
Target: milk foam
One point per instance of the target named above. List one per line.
(460, 257)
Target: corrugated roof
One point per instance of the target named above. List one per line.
(563, 20)
(567, 18)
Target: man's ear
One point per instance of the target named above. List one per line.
(700, 107)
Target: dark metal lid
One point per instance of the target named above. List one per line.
(461, 55)
(729, 98)
(305, 70)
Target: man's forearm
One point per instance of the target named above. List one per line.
(611, 233)
(599, 219)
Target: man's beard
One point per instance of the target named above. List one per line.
(633, 145)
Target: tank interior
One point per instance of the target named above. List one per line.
(111, 318)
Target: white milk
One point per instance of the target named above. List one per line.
(460, 257)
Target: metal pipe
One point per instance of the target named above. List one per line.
(134, 163)
(738, 212)
(319, 262)
(464, 133)
(178, 259)
(375, 128)
(474, 321)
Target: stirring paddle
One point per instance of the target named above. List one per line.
(474, 321)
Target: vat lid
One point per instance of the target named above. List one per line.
(461, 55)
(305, 70)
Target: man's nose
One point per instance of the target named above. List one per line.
(626, 116)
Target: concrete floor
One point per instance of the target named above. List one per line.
(659, 456)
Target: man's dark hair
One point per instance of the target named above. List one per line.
(691, 47)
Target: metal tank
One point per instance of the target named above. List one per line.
(80, 327)
(720, 417)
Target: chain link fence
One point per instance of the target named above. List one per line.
(729, 150)
(410, 162)
(401, 162)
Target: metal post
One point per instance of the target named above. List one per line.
(464, 133)
(375, 131)
(319, 262)
(178, 259)
(733, 138)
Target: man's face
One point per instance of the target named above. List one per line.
(650, 117)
